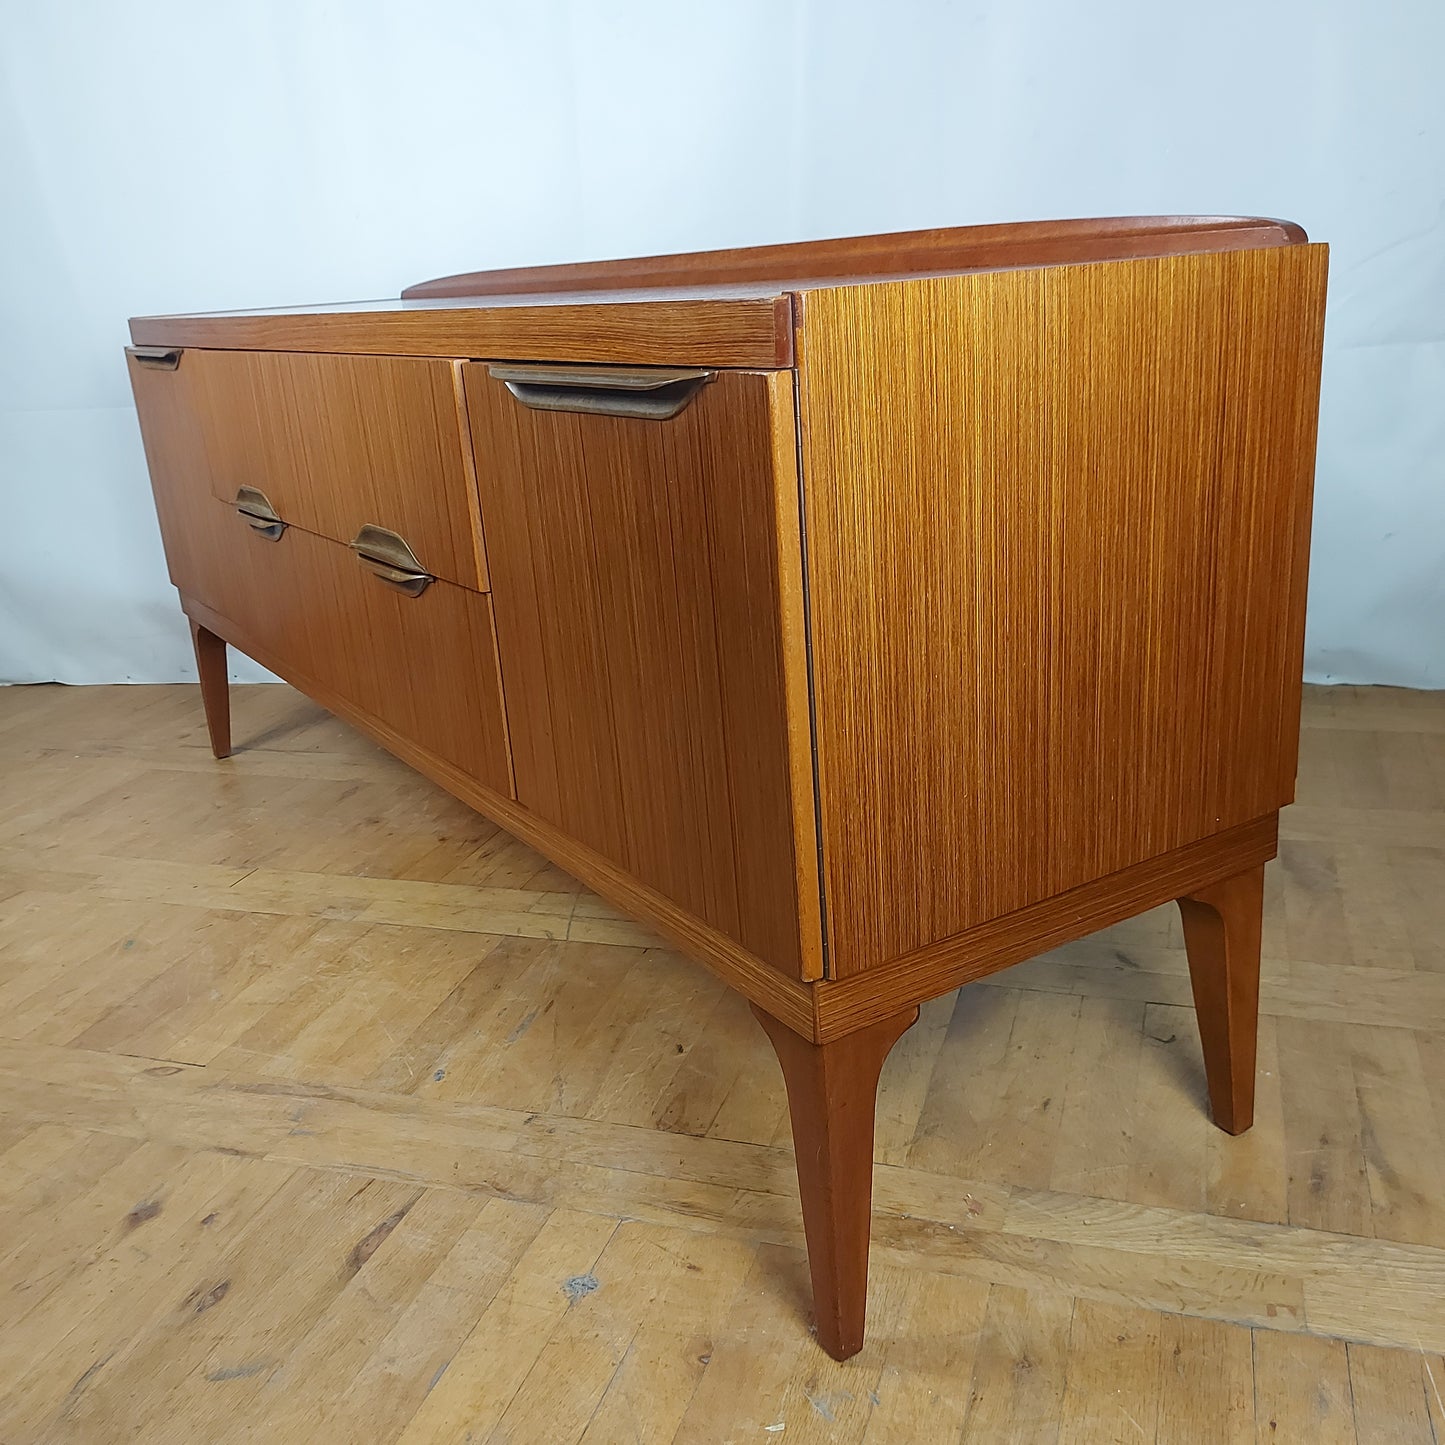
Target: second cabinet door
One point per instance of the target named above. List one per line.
(646, 576)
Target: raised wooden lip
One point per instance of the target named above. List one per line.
(899, 253)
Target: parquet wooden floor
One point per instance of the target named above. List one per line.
(330, 1113)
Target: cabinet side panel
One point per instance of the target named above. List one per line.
(639, 605)
(1057, 536)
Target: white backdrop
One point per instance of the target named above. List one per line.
(175, 155)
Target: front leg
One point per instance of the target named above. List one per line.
(832, 1089)
(1222, 926)
(215, 686)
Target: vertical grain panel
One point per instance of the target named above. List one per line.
(1130, 423)
(928, 553)
(649, 622)
(1057, 535)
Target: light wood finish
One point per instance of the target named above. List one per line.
(672, 329)
(240, 1202)
(337, 442)
(1057, 631)
(1222, 925)
(831, 1089)
(215, 686)
(650, 623)
(900, 253)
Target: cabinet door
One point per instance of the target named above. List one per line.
(339, 442)
(646, 576)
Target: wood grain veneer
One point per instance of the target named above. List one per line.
(336, 442)
(675, 330)
(649, 617)
(947, 249)
(1057, 528)
(425, 665)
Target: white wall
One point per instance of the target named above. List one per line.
(173, 155)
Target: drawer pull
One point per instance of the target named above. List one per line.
(162, 358)
(648, 393)
(258, 513)
(387, 556)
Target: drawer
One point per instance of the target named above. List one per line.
(335, 443)
(425, 665)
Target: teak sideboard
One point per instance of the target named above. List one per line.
(866, 615)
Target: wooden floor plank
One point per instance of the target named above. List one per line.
(1389, 1390)
(498, 1356)
(1113, 1374)
(232, 996)
(922, 1387)
(1328, 1178)
(409, 1360)
(1020, 1369)
(1206, 1382)
(307, 1394)
(242, 1316)
(62, 1350)
(1302, 1389)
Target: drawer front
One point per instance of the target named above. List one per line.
(426, 665)
(336, 443)
(646, 574)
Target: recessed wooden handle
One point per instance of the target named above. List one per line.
(256, 511)
(162, 358)
(387, 556)
(645, 393)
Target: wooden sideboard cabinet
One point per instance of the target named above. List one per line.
(866, 615)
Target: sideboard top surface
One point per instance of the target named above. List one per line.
(729, 308)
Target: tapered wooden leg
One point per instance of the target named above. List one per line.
(215, 686)
(1221, 932)
(832, 1089)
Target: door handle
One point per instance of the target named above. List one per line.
(258, 513)
(648, 393)
(162, 358)
(387, 556)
